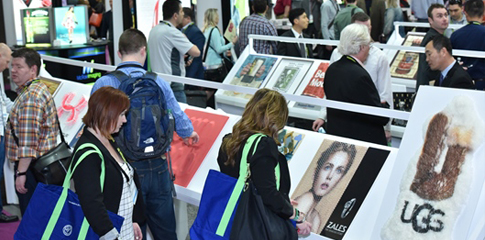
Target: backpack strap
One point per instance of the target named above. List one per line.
(121, 76)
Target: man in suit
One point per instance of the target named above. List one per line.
(438, 56)
(438, 22)
(299, 20)
(193, 67)
(347, 81)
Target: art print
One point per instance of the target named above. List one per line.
(405, 64)
(314, 87)
(288, 75)
(289, 143)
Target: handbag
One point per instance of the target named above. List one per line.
(51, 167)
(196, 98)
(54, 212)
(254, 220)
(95, 19)
(219, 199)
(217, 74)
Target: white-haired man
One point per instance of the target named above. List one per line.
(347, 81)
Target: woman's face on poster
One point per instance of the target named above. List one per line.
(330, 173)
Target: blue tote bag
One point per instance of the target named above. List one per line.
(54, 212)
(219, 199)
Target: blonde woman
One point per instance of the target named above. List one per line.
(392, 14)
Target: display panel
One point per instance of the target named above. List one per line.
(71, 24)
(405, 64)
(187, 159)
(252, 73)
(37, 27)
(331, 175)
(312, 87)
(288, 75)
(436, 181)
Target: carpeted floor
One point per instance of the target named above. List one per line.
(7, 230)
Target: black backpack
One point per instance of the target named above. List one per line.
(148, 131)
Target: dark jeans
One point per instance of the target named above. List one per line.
(180, 96)
(157, 194)
(30, 184)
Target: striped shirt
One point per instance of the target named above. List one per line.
(33, 117)
(259, 25)
(183, 125)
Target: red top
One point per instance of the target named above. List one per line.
(279, 7)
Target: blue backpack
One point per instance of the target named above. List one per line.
(148, 131)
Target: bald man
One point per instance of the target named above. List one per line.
(5, 107)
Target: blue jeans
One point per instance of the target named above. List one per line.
(2, 161)
(157, 194)
(180, 96)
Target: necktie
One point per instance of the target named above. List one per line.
(441, 79)
(302, 48)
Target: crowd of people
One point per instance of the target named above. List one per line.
(358, 73)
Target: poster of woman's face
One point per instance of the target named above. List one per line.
(326, 179)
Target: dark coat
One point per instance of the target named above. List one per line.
(347, 81)
(195, 36)
(425, 74)
(293, 49)
(94, 202)
(457, 77)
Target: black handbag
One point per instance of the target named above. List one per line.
(254, 221)
(218, 74)
(50, 168)
(196, 98)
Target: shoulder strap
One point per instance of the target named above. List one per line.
(208, 45)
(240, 184)
(121, 76)
(352, 11)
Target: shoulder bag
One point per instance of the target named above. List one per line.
(50, 168)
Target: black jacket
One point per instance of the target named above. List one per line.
(95, 203)
(425, 74)
(293, 49)
(457, 77)
(263, 163)
(196, 37)
(347, 81)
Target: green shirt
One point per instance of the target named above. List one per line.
(343, 19)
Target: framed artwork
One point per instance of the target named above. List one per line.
(312, 87)
(335, 185)
(289, 142)
(187, 159)
(252, 73)
(434, 189)
(288, 75)
(405, 64)
(51, 84)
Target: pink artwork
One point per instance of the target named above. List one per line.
(72, 109)
(187, 159)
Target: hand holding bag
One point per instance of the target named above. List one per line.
(54, 212)
(219, 199)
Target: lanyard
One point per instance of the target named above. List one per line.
(166, 23)
(28, 85)
(185, 29)
(474, 22)
(351, 59)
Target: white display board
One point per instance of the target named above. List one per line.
(441, 186)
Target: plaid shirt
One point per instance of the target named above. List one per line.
(33, 117)
(257, 24)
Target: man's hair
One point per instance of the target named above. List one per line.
(169, 8)
(455, 2)
(30, 56)
(360, 16)
(433, 7)
(131, 41)
(350, 1)
(440, 42)
(352, 37)
(260, 6)
(294, 14)
(188, 13)
(474, 8)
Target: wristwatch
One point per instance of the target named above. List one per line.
(18, 173)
